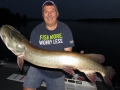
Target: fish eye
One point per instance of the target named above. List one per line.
(11, 36)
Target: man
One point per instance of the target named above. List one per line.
(51, 35)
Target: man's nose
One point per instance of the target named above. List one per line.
(49, 13)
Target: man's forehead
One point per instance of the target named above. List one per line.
(49, 7)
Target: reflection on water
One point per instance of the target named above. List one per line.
(93, 37)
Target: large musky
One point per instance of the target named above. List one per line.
(68, 9)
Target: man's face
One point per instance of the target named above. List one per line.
(50, 15)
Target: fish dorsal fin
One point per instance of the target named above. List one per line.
(92, 77)
(97, 57)
(81, 78)
(68, 69)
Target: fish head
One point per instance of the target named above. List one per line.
(12, 39)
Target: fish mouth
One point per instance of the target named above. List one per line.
(5, 40)
(0, 32)
(3, 37)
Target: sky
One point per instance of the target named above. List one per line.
(68, 9)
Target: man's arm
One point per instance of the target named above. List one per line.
(67, 68)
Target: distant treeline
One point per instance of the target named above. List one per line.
(101, 20)
(7, 17)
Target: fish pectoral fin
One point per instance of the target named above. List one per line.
(92, 77)
(81, 78)
(20, 62)
(97, 57)
(68, 69)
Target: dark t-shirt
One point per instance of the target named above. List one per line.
(57, 39)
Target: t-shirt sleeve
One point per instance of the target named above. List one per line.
(68, 37)
(33, 37)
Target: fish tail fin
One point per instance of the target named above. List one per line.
(109, 73)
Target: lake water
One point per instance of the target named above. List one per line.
(93, 37)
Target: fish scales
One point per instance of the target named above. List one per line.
(86, 63)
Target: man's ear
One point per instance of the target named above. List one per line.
(42, 13)
(57, 14)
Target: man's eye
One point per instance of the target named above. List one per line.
(53, 11)
(45, 11)
(11, 36)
